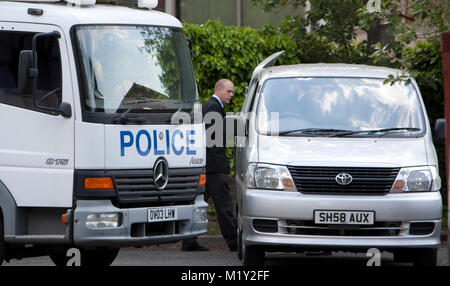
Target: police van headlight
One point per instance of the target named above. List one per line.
(269, 177)
(106, 220)
(417, 179)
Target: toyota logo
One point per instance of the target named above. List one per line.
(161, 174)
(343, 179)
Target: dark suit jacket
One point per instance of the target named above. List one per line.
(216, 158)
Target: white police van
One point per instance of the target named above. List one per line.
(89, 155)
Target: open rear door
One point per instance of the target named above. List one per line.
(267, 62)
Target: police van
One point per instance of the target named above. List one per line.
(100, 143)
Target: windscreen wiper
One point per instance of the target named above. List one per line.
(183, 103)
(374, 131)
(312, 131)
(123, 117)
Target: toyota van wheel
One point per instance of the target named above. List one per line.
(425, 257)
(239, 248)
(2, 241)
(253, 255)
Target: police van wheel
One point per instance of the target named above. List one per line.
(253, 255)
(88, 258)
(100, 258)
(2, 241)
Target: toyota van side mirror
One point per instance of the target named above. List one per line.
(439, 129)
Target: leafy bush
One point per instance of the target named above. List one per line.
(232, 52)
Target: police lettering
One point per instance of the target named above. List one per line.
(146, 142)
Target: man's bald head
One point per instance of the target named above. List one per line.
(224, 90)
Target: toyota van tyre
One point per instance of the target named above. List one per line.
(425, 257)
(2, 241)
(253, 255)
(402, 255)
(88, 258)
(239, 244)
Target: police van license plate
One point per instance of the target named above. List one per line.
(344, 217)
(162, 214)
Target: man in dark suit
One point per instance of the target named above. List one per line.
(217, 165)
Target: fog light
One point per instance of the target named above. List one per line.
(200, 214)
(110, 220)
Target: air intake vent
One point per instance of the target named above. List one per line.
(265, 225)
(421, 228)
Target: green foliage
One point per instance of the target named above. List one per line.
(408, 40)
(425, 64)
(232, 52)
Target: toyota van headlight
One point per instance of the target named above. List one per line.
(417, 179)
(270, 177)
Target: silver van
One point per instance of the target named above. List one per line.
(332, 158)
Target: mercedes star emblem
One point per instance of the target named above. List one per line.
(161, 174)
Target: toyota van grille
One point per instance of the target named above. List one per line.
(322, 180)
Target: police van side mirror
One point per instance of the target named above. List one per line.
(191, 51)
(439, 129)
(27, 75)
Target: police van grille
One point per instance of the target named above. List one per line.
(136, 187)
(321, 180)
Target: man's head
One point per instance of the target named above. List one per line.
(224, 90)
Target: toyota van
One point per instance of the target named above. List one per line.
(333, 158)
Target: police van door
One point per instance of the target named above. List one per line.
(36, 146)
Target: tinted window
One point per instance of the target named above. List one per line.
(351, 104)
(49, 81)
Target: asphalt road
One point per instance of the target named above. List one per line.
(170, 255)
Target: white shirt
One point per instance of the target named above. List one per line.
(218, 99)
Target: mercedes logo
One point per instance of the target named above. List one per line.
(343, 179)
(161, 174)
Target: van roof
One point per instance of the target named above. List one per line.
(321, 69)
(62, 14)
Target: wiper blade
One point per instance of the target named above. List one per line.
(383, 130)
(123, 117)
(312, 130)
(176, 117)
(139, 101)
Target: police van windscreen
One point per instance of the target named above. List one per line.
(339, 106)
(134, 69)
